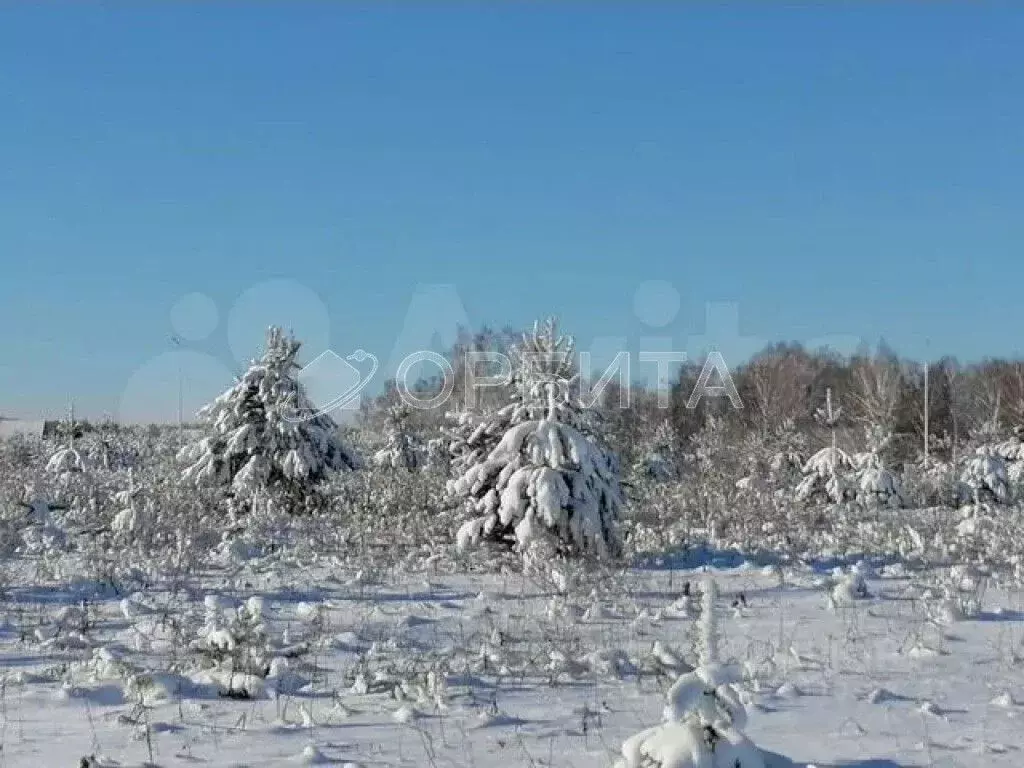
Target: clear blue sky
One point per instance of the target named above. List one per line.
(853, 170)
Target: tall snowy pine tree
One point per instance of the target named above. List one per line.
(545, 485)
(267, 435)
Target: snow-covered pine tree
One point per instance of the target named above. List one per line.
(825, 473)
(471, 436)
(986, 474)
(877, 486)
(660, 457)
(68, 459)
(547, 485)
(400, 450)
(788, 455)
(268, 438)
(704, 716)
(714, 468)
(1009, 450)
(985, 478)
(457, 430)
(438, 459)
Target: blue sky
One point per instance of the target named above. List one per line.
(847, 172)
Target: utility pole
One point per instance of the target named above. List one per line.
(926, 403)
(926, 414)
(181, 388)
(831, 417)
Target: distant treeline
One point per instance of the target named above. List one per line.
(784, 386)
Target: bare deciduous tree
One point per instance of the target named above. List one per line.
(877, 388)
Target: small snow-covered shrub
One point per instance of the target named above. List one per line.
(390, 517)
(658, 521)
(878, 486)
(704, 715)
(66, 460)
(933, 485)
(957, 594)
(848, 586)
(234, 646)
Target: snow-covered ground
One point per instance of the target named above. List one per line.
(457, 669)
(254, 602)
